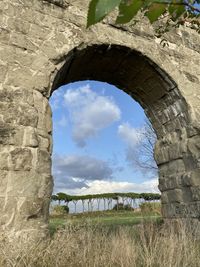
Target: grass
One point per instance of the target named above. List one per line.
(111, 219)
(143, 245)
(108, 239)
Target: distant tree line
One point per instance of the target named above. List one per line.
(107, 199)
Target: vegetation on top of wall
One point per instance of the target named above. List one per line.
(172, 13)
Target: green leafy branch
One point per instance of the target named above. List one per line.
(178, 12)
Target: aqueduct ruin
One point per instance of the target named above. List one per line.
(45, 44)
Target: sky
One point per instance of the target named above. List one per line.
(96, 127)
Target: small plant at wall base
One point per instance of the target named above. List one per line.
(173, 13)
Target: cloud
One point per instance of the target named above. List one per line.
(73, 171)
(97, 187)
(131, 136)
(84, 167)
(65, 182)
(89, 113)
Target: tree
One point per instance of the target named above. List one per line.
(142, 155)
(128, 197)
(172, 12)
(61, 197)
(54, 198)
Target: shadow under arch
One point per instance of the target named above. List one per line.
(165, 107)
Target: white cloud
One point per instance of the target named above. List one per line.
(97, 187)
(131, 136)
(89, 113)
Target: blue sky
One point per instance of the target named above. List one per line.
(95, 126)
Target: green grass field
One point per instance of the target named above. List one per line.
(111, 219)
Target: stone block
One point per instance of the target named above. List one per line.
(181, 210)
(19, 114)
(4, 161)
(38, 32)
(4, 35)
(188, 210)
(3, 72)
(20, 159)
(29, 184)
(23, 41)
(7, 134)
(20, 76)
(171, 168)
(177, 149)
(194, 146)
(3, 183)
(43, 163)
(44, 143)
(175, 195)
(187, 194)
(30, 138)
(168, 210)
(191, 178)
(18, 25)
(24, 213)
(169, 182)
(16, 96)
(45, 115)
(164, 198)
(195, 193)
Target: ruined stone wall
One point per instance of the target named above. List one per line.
(41, 44)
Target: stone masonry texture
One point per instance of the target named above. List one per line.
(45, 44)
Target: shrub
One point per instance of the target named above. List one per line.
(121, 206)
(151, 207)
(60, 210)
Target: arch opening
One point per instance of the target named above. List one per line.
(103, 143)
(163, 104)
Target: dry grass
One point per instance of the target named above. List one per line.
(145, 245)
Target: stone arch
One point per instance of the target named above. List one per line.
(163, 104)
(49, 46)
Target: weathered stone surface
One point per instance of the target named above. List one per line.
(20, 159)
(41, 189)
(181, 210)
(4, 182)
(191, 178)
(44, 44)
(43, 164)
(20, 114)
(25, 215)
